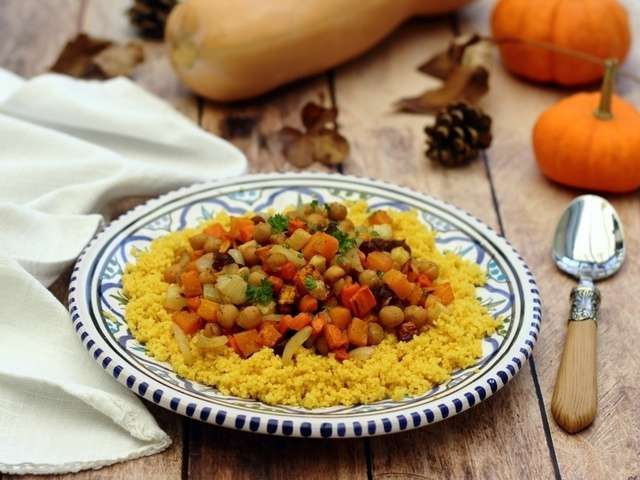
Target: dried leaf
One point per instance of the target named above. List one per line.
(119, 59)
(465, 82)
(89, 57)
(315, 117)
(76, 58)
(329, 147)
(442, 64)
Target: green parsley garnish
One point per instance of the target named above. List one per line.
(261, 294)
(279, 223)
(310, 283)
(345, 242)
(313, 204)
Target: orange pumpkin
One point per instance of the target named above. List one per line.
(596, 27)
(591, 140)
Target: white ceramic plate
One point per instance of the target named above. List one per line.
(97, 306)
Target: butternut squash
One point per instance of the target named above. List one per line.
(236, 49)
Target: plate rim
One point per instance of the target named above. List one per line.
(377, 423)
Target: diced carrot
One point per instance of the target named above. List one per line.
(233, 343)
(188, 322)
(248, 342)
(318, 323)
(241, 229)
(193, 303)
(416, 295)
(191, 267)
(321, 243)
(362, 301)
(358, 332)
(347, 292)
(191, 286)
(412, 276)
(424, 280)
(295, 224)
(308, 304)
(379, 218)
(379, 261)
(196, 254)
(340, 316)
(269, 335)
(341, 354)
(398, 282)
(288, 271)
(208, 310)
(216, 230)
(444, 292)
(283, 324)
(300, 321)
(276, 283)
(335, 337)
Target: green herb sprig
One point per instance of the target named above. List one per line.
(279, 223)
(260, 294)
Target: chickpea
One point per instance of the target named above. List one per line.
(391, 316)
(322, 347)
(375, 334)
(211, 330)
(320, 292)
(198, 240)
(429, 268)
(228, 314)
(319, 263)
(275, 260)
(338, 286)
(212, 244)
(244, 273)
(278, 238)
(334, 273)
(317, 221)
(250, 317)
(346, 226)
(434, 309)
(370, 278)
(400, 256)
(262, 233)
(337, 211)
(256, 277)
(207, 277)
(416, 314)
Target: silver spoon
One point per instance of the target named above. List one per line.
(589, 245)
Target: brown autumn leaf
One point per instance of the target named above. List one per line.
(464, 83)
(319, 142)
(442, 64)
(315, 117)
(97, 58)
(463, 67)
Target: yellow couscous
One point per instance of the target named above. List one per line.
(395, 369)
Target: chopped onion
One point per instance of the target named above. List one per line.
(233, 288)
(174, 299)
(204, 263)
(210, 292)
(237, 256)
(211, 343)
(384, 231)
(183, 344)
(361, 353)
(293, 256)
(294, 344)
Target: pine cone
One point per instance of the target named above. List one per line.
(150, 16)
(458, 135)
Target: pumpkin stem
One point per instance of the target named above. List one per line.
(603, 112)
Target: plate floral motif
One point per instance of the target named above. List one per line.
(97, 305)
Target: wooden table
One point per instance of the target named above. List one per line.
(512, 434)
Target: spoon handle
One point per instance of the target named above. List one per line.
(575, 397)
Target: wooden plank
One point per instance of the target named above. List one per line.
(489, 440)
(530, 207)
(32, 33)
(253, 125)
(109, 20)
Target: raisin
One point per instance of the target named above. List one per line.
(381, 245)
(406, 331)
(222, 259)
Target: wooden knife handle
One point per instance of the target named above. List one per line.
(575, 397)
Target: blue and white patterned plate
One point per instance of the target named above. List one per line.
(97, 307)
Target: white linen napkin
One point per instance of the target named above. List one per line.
(67, 148)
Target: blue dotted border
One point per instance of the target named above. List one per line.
(262, 423)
